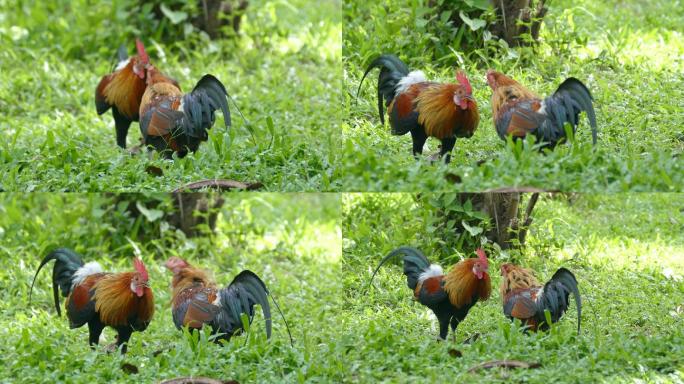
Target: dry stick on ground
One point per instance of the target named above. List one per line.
(504, 364)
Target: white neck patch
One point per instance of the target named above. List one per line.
(413, 77)
(122, 64)
(88, 269)
(433, 271)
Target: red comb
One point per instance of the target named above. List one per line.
(463, 80)
(140, 267)
(175, 264)
(141, 51)
(482, 255)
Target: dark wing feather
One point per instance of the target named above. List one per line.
(193, 307)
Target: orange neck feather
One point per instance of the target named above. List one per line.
(190, 277)
(517, 278)
(116, 303)
(438, 114)
(125, 90)
(462, 285)
(506, 90)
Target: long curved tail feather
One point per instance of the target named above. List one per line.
(392, 70)
(67, 262)
(414, 264)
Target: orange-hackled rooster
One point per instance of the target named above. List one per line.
(527, 300)
(173, 122)
(196, 301)
(122, 90)
(444, 111)
(519, 112)
(123, 301)
(449, 296)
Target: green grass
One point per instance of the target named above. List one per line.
(630, 59)
(291, 241)
(283, 71)
(627, 251)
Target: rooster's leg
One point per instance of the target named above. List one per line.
(454, 324)
(122, 123)
(419, 137)
(95, 328)
(447, 145)
(123, 337)
(443, 327)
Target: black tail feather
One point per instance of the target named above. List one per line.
(414, 264)
(556, 292)
(576, 98)
(208, 95)
(392, 69)
(245, 291)
(67, 262)
(122, 53)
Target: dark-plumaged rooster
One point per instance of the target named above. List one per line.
(123, 301)
(445, 111)
(197, 302)
(123, 89)
(527, 300)
(173, 122)
(449, 296)
(519, 112)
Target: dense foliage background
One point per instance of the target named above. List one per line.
(627, 251)
(629, 53)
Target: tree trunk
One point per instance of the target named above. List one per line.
(509, 225)
(190, 210)
(217, 14)
(194, 209)
(213, 15)
(516, 18)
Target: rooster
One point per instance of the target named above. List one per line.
(449, 296)
(123, 301)
(122, 90)
(173, 122)
(426, 109)
(196, 301)
(518, 112)
(527, 300)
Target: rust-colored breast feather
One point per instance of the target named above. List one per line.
(432, 285)
(124, 90)
(80, 295)
(404, 102)
(470, 118)
(440, 116)
(461, 284)
(116, 303)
